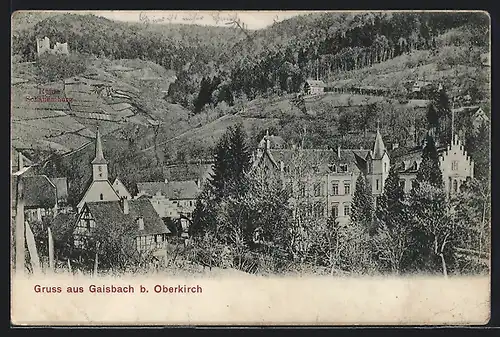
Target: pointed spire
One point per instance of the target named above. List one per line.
(99, 157)
(379, 147)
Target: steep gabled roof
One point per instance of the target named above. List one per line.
(153, 224)
(110, 214)
(39, 191)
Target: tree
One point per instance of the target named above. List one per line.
(391, 241)
(362, 206)
(434, 228)
(429, 170)
(479, 150)
(227, 182)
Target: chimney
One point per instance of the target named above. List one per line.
(338, 152)
(268, 144)
(395, 146)
(20, 161)
(140, 223)
(124, 205)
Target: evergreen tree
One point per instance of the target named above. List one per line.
(429, 170)
(479, 151)
(391, 243)
(227, 182)
(362, 208)
(390, 205)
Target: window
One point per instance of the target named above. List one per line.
(100, 168)
(454, 165)
(385, 167)
(190, 203)
(317, 189)
(335, 188)
(343, 168)
(87, 224)
(377, 182)
(402, 183)
(302, 189)
(101, 197)
(347, 187)
(335, 210)
(347, 210)
(332, 168)
(455, 186)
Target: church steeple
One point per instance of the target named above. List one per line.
(379, 147)
(99, 156)
(99, 164)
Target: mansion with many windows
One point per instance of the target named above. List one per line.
(326, 179)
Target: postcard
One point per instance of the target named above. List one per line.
(250, 168)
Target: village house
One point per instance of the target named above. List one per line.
(327, 178)
(138, 217)
(314, 87)
(171, 199)
(196, 170)
(43, 197)
(110, 206)
(469, 116)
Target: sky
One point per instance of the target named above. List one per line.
(251, 19)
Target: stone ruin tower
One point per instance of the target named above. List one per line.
(43, 46)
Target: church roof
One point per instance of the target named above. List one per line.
(99, 156)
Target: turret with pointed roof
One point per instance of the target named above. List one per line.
(99, 164)
(99, 156)
(378, 147)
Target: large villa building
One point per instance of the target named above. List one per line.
(327, 178)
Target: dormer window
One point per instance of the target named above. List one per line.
(140, 223)
(332, 168)
(343, 168)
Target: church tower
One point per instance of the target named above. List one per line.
(99, 164)
(379, 165)
(100, 188)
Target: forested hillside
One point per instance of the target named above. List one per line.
(215, 64)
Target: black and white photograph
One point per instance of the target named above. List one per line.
(250, 167)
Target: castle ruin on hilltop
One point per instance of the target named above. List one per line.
(43, 46)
